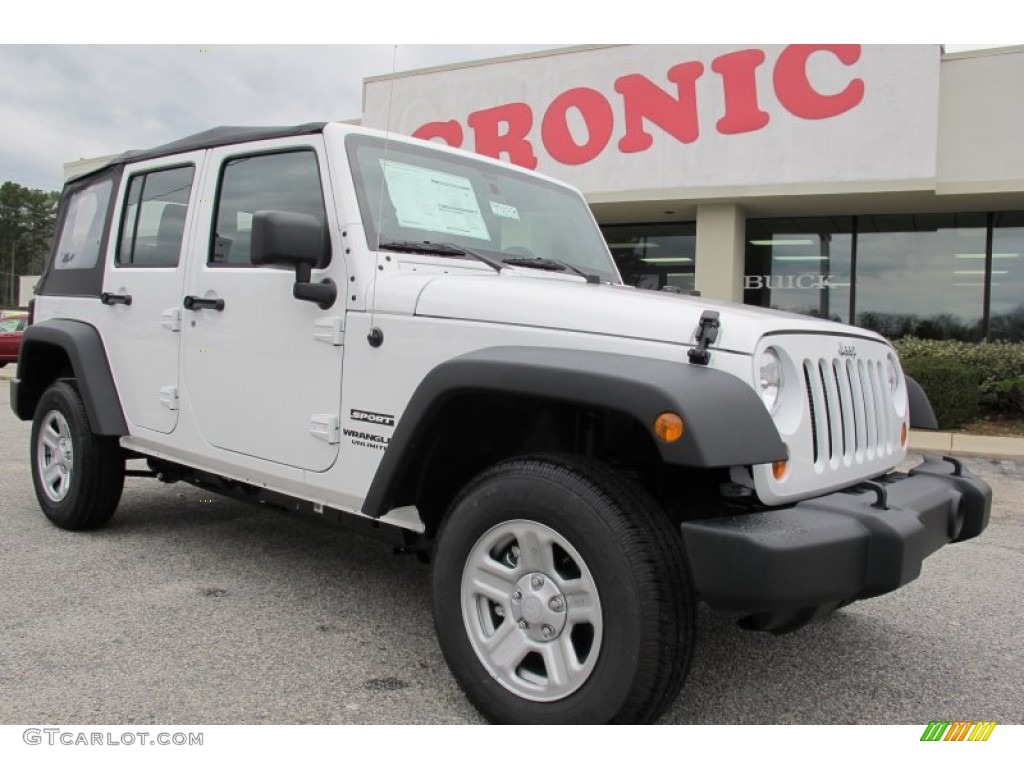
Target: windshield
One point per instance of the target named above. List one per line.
(500, 213)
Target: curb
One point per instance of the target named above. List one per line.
(960, 444)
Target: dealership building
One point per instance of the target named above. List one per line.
(876, 184)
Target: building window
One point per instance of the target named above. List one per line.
(936, 276)
(1006, 313)
(654, 256)
(922, 275)
(800, 265)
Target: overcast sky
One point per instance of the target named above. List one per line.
(61, 103)
(65, 102)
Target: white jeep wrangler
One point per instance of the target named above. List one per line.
(328, 320)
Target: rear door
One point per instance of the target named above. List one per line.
(263, 369)
(142, 287)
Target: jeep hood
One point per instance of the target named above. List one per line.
(570, 304)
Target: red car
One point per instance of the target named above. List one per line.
(11, 326)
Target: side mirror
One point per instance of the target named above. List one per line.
(297, 240)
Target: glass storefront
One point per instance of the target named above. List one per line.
(936, 276)
(1006, 307)
(922, 275)
(800, 265)
(931, 275)
(654, 256)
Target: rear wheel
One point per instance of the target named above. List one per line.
(561, 595)
(78, 476)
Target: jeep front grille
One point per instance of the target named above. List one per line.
(850, 410)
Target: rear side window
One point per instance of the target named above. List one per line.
(81, 236)
(153, 223)
(285, 181)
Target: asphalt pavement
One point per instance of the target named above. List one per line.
(189, 608)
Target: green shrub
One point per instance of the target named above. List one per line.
(1009, 396)
(951, 386)
(994, 362)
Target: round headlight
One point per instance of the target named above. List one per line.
(769, 378)
(892, 375)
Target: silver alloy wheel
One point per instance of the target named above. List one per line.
(55, 455)
(531, 610)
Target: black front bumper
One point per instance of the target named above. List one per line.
(785, 566)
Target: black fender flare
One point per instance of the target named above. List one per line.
(922, 416)
(83, 346)
(725, 422)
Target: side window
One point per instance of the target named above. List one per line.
(153, 223)
(82, 233)
(285, 181)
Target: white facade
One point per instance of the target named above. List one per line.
(688, 122)
(719, 134)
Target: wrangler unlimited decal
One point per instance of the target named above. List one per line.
(367, 439)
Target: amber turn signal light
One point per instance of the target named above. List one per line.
(903, 434)
(668, 427)
(779, 469)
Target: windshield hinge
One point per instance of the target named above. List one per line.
(707, 332)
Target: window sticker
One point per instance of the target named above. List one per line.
(434, 201)
(504, 210)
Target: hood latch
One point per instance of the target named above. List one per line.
(707, 332)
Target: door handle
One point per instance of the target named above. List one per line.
(195, 303)
(116, 298)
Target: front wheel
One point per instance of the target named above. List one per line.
(78, 476)
(561, 595)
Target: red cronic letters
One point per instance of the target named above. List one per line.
(597, 115)
(738, 70)
(795, 92)
(507, 132)
(504, 129)
(642, 99)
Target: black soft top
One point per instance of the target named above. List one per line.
(214, 137)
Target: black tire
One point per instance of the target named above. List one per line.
(588, 521)
(78, 476)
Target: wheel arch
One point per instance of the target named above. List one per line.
(726, 424)
(56, 349)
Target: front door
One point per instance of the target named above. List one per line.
(262, 369)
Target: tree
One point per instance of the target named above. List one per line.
(27, 221)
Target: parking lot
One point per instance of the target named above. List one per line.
(188, 608)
